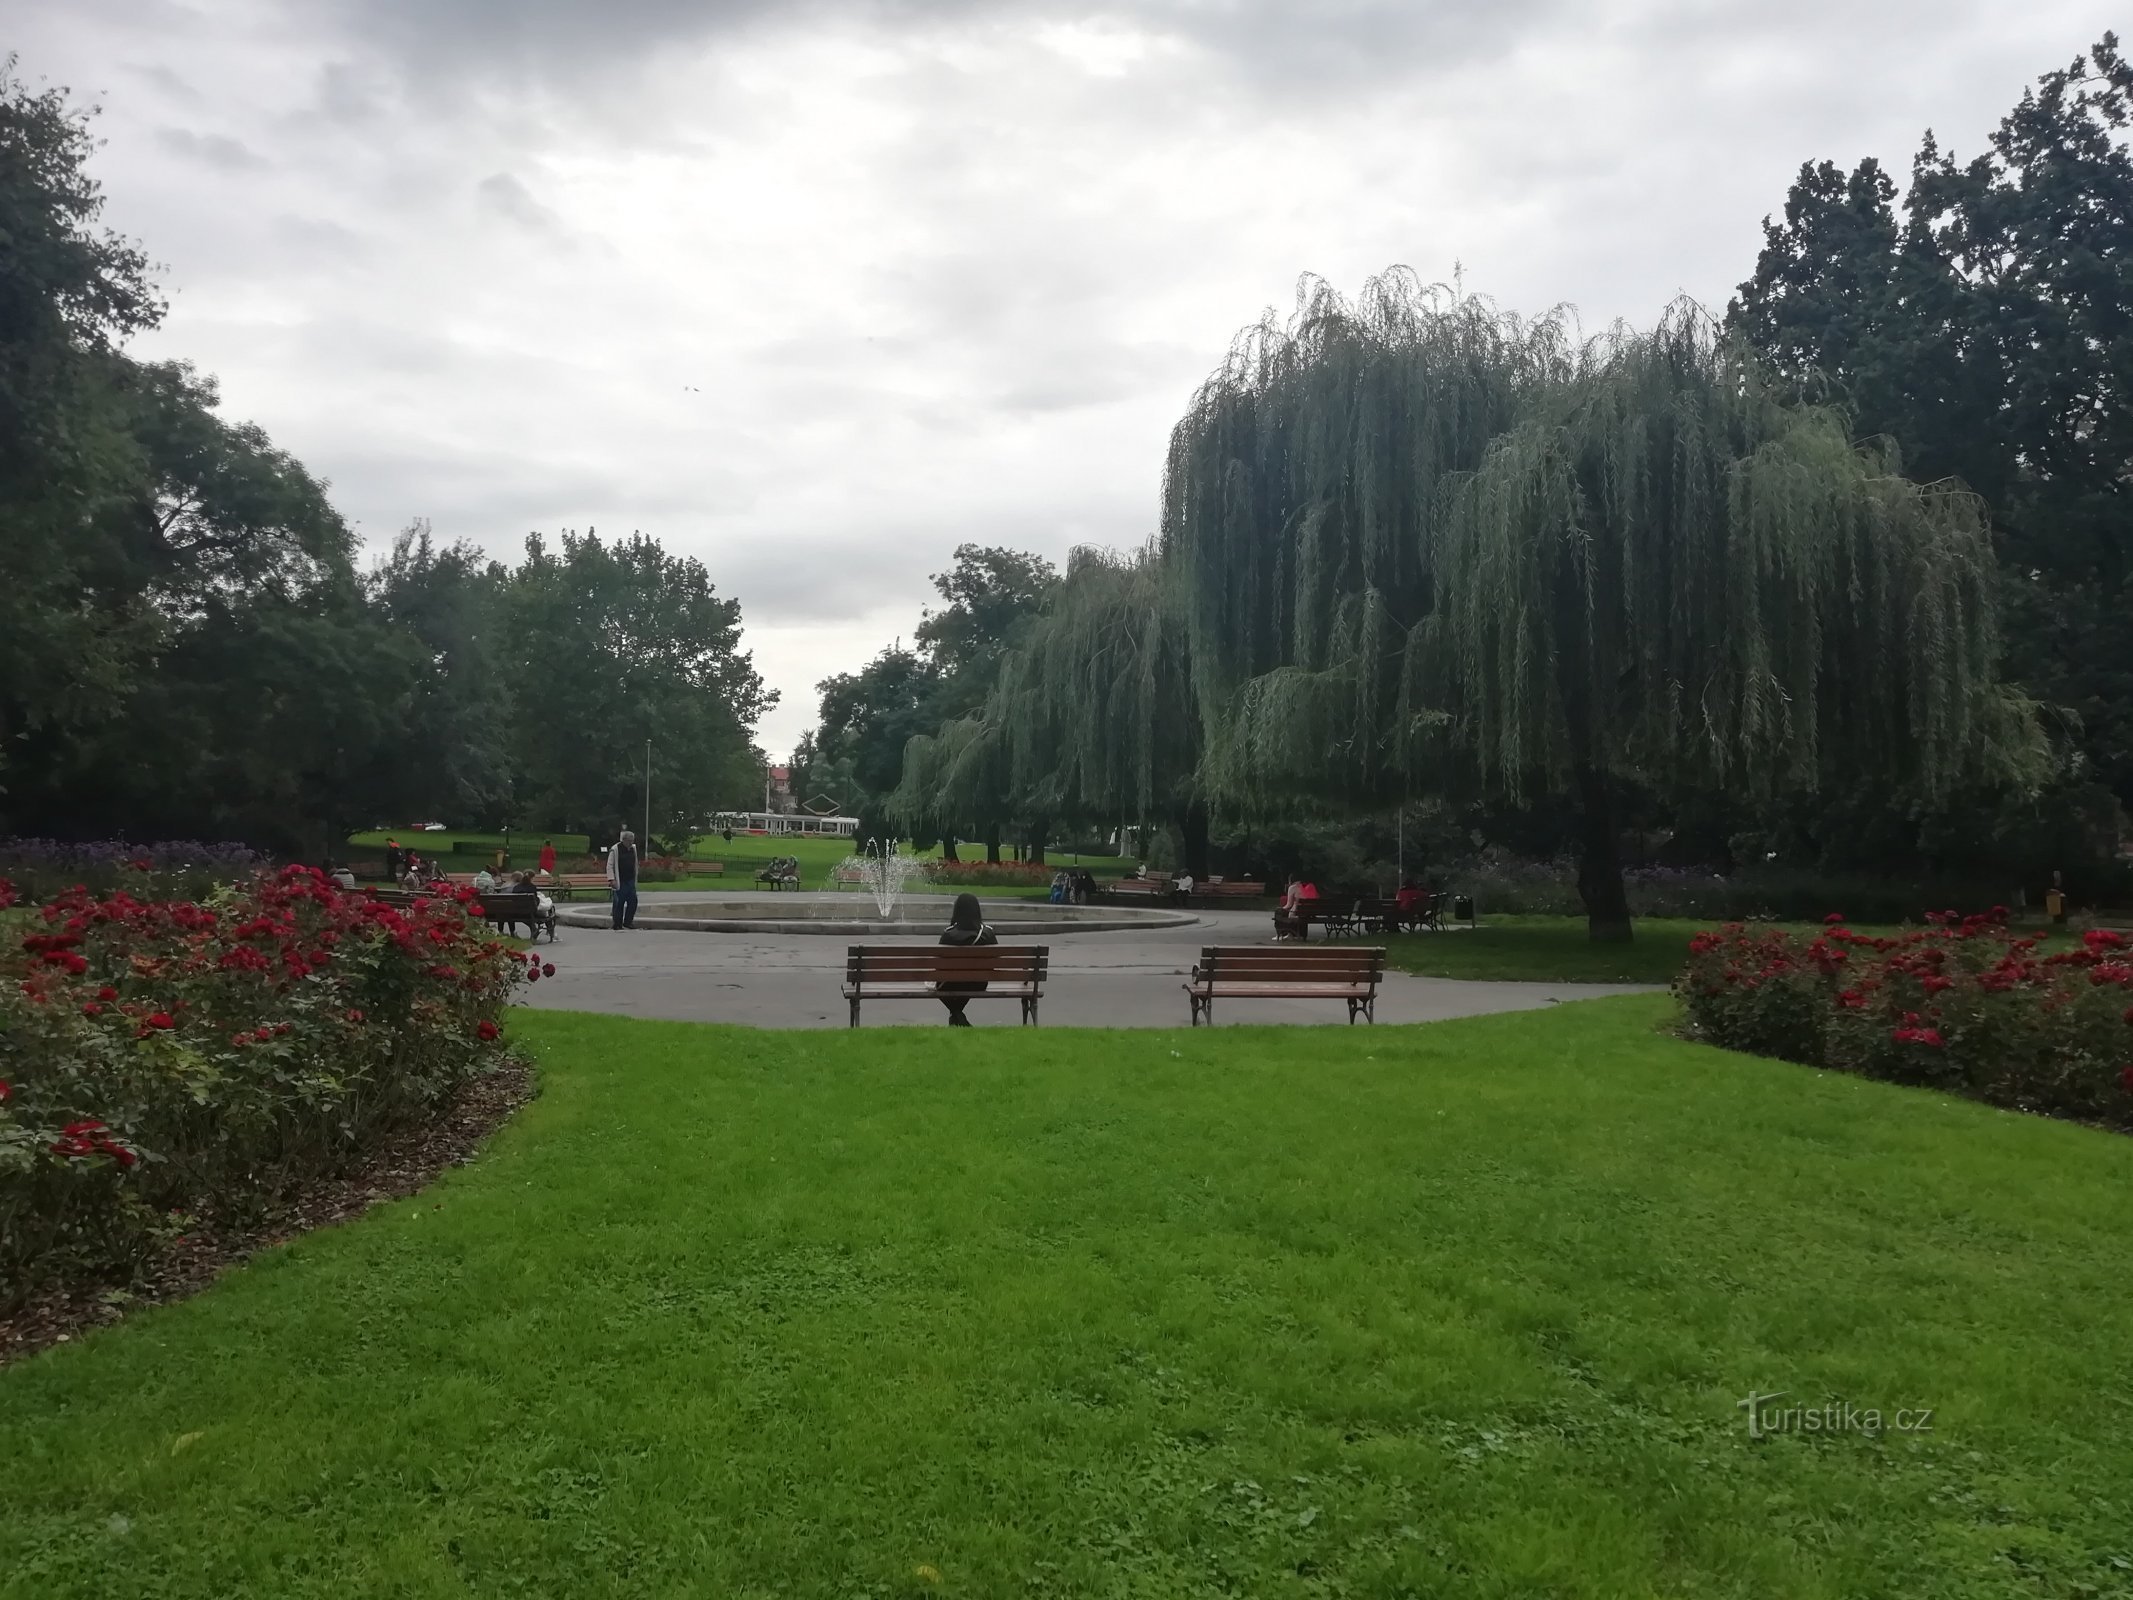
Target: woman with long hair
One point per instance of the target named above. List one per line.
(966, 926)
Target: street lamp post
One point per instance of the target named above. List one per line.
(647, 795)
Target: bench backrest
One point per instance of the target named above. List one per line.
(1326, 963)
(1326, 905)
(946, 963)
(496, 905)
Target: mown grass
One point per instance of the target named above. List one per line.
(743, 856)
(1459, 1309)
(1543, 949)
(1560, 950)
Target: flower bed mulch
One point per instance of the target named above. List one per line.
(399, 1166)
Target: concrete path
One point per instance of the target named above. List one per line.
(1125, 979)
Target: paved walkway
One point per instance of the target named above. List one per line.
(1098, 980)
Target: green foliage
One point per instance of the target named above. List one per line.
(1429, 547)
(1457, 1309)
(606, 646)
(1986, 331)
(69, 294)
(992, 593)
(171, 1056)
(868, 716)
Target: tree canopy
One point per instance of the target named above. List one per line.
(1430, 547)
(1984, 326)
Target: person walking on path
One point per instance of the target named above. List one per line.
(547, 859)
(966, 926)
(622, 879)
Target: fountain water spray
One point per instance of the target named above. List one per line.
(884, 869)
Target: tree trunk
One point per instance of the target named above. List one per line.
(1192, 840)
(948, 848)
(1035, 854)
(1600, 862)
(992, 842)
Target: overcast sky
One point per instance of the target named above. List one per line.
(816, 292)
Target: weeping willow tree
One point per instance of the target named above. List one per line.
(1097, 707)
(1430, 548)
(1092, 718)
(953, 782)
(1301, 499)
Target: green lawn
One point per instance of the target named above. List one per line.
(1461, 1309)
(1544, 949)
(1558, 949)
(744, 855)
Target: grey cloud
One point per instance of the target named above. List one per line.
(173, 86)
(212, 149)
(315, 241)
(1328, 44)
(344, 94)
(505, 195)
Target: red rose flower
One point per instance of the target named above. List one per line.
(107, 993)
(547, 969)
(161, 1019)
(1833, 918)
(487, 1030)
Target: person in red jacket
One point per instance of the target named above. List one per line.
(547, 859)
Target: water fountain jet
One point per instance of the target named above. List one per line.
(885, 870)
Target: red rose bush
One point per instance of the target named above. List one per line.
(173, 1057)
(1963, 1004)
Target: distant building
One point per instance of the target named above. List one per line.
(778, 796)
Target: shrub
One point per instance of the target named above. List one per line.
(173, 1056)
(1961, 1005)
(183, 869)
(995, 874)
(1506, 886)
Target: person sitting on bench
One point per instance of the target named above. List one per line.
(966, 926)
(1409, 904)
(1289, 916)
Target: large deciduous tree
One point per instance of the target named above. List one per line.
(71, 634)
(1430, 548)
(1985, 325)
(608, 646)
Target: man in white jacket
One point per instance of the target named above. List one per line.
(622, 879)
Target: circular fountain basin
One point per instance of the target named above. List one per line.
(919, 916)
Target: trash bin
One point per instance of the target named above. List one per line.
(1463, 908)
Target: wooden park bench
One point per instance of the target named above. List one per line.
(704, 869)
(565, 885)
(1259, 972)
(1147, 888)
(848, 878)
(1336, 913)
(507, 911)
(915, 972)
(782, 873)
(1228, 889)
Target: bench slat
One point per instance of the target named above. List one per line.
(917, 972)
(1348, 973)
